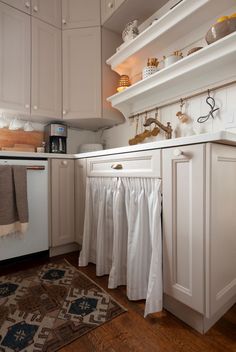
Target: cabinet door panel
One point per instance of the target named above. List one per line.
(183, 225)
(48, 11)
(14, 60)
(221, 227)
(82, 73)
(108, 7)
(80, 13)
(46, 70)
(23, 5)
(62, 193)
(80, 189)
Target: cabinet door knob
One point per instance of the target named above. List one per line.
(35, 107)
(27, 106)
(110, 5)
(27, 4)
(177, 152)
(64, 112)
(64, 162)
(63, 21)
(117, 166)
(35, 8)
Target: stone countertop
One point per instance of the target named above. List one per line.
(222, 137)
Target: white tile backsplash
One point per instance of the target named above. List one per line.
(224, 119)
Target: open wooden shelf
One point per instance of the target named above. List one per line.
(176, 23)
(206, 67)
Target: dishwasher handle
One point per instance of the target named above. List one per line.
(35, 168)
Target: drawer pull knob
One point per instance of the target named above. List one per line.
(178, 152)
(117, 166)
(64, 162)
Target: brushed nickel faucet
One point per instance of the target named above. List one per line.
(167, 129)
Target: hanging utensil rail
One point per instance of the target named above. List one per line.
(183, 99)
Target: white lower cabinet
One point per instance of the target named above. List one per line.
(80, 189)
(199, 243)
(183, 224)
(62, 202)
(14, 60)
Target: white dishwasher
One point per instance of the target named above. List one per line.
(36, 238)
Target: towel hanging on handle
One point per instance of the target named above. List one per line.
(13, 200)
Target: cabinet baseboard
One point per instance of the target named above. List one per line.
(194, 319)
(64, 249)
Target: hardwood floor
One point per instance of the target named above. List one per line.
(160, 332)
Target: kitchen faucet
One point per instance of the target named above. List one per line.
(168, 129)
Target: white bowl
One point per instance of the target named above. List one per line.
(87, 148)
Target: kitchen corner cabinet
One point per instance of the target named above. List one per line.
(14, 60)
(23, 5)
(199, 261)
(48, 11)
(46, 85)
(87, 80)
(62, 202)
(81, 73)
(80, 13)
(80, 189)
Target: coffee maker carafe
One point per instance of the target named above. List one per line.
(55, 135)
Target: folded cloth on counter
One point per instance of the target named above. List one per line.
(13, 199)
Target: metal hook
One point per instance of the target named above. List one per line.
(211, 102)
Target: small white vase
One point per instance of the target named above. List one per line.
(148, 71)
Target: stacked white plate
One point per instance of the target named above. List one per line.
(87, 148)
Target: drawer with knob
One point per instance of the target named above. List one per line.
(136, 164)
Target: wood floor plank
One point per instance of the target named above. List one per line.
(130, 332)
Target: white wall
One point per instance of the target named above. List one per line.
(75, 138)
(225, 119)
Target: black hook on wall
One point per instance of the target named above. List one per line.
(211, 102)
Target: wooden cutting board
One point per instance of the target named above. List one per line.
(19, 149)
(20, 139)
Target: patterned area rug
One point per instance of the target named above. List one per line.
(47, 307)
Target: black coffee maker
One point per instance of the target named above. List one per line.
(55, 137)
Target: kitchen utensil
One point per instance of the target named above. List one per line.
(193, 50)
(211, 102)
(220, 30)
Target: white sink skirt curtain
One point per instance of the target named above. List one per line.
(122, 235)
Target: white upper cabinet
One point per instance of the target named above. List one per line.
(46, 86)
(82, 73)
(14, 60)
(87, 81)
(23, 5)
(48, 11)
(80, 13)
(108, 7)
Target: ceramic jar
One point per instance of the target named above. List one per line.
(169, 60)
(130, 31)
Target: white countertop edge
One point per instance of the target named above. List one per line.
(223, 137)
